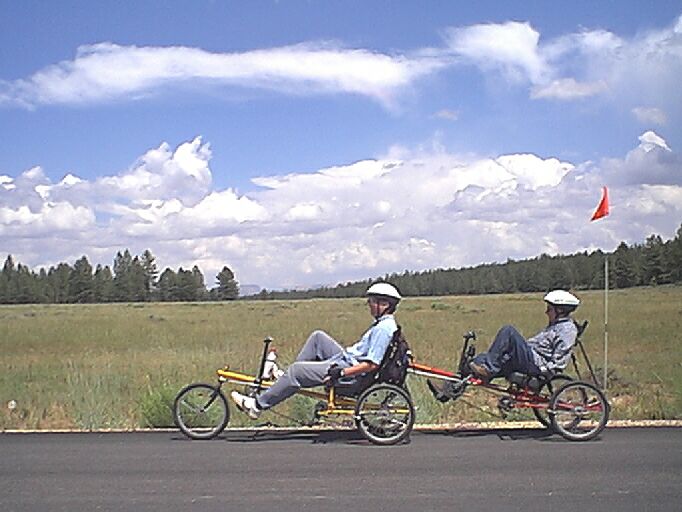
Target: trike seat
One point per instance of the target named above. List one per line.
(395, 358)
(352, 388)
(532, 382)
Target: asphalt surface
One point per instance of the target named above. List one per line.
(624, 470)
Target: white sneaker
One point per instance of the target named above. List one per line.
(246, 404)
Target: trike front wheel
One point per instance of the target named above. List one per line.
(384, 414)
(200, 411)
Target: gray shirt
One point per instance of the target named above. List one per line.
(552, 346)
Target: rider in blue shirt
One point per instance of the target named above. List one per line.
(322, 358)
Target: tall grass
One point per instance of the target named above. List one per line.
(119, 365)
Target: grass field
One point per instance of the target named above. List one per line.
(120, 365)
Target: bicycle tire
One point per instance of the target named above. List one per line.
(578, 411)
(384, 414)
(547, 390)
(200, 411)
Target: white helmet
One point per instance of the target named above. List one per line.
(384, 290)
(562, 298)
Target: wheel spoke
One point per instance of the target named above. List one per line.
(579, 411)
(201, 411)
(384, 414)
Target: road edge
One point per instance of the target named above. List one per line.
(506, 425)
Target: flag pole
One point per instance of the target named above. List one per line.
(606, 318)
(602, 211)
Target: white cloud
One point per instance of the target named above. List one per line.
(447, 115)
(643, 69)
(106, 72)
(511, 47)
(568, 89)
(651, 115)
(345, 222)
(646, 67)
(650, 141)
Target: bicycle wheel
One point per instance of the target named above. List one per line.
(578, 411)
(200, 411)
(384, 414)
(546, 391)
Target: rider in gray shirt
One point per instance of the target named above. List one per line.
(548, 350)
(552, 346)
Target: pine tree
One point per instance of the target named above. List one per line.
(151, 273)
(624, 274)
(103, 284)
(228, 288)
(58, 283)
(654, 271)
(167, 286)
(122, 266)
(199, 285)
(675, 257)
(80, 283)
(7, 288)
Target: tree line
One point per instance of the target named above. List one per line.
(137, 278)
(653, 262)
(130, 279)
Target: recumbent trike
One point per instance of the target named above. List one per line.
(384, 412)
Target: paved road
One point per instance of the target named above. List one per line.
(624, 470)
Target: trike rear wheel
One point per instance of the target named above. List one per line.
(200, 411)
(578, 411)
(384, 414)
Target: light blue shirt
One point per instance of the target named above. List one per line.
(373, 343)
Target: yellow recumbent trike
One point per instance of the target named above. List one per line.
(383, 412)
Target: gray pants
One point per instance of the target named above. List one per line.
(309, 370)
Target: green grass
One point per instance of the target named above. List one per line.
(119, 365)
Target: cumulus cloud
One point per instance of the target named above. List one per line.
(345, 222)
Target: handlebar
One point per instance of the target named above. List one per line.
(471, 335)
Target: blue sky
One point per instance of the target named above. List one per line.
(311, 142)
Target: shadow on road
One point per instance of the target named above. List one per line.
(503, 434)
(353, 437)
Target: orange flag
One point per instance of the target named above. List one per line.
(603, 208)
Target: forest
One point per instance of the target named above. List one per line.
(654, 262)
(137, 278)
(132, 279)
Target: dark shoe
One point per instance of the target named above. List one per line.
(479, 370)
(437, 391)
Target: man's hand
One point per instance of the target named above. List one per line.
(334, 374)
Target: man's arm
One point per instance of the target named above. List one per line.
(336, 373)
(363, 367)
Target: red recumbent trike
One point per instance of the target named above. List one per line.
(573, 408)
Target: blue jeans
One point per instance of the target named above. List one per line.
(508, 353)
